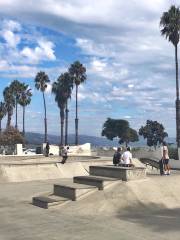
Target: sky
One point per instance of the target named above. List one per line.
(130, 66)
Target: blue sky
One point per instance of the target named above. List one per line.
(130, 67)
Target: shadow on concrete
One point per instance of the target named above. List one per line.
(156, 217)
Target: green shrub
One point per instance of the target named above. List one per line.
(173, 153)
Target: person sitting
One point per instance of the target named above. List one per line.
(117, 156)
(127, 158)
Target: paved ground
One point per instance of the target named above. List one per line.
(145, 209)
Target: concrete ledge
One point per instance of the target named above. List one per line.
(48, 201)
(123, 173)
(98, 181)
(73, 191)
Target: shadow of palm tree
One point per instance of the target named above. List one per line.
(156, 217)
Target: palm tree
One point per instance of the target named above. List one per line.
(57, 90)
(170, 22)
(17, 88)
(41, 81)
(78, 74)
(24, 100)
(2, 112)
(9, 103)
(67, 85)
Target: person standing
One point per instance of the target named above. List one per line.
(117, 156)
(165, 157)
(127, 158)
(47, 149)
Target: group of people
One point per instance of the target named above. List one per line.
(123, 158)
(164, 162)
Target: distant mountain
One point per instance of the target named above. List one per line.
(37, 138)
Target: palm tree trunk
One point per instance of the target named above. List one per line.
(66, 124)
(23, 120)
(76, 119)
(8, 119)
(0, 126)
(62, 126)
(16, 115)
(177, 100)
(45, 120)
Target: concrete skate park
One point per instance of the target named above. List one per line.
(137, 207)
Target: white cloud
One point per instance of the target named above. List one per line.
(127, 117)
(12, 25)
(44, 51)
(17, 55)
(4, 65)
(130, 85)
(10, 33)
(12, 39)
(98, 66)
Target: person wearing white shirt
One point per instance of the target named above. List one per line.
(127, 157)
(165, 157)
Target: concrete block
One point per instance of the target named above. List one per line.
(98, 181)
(18, 149)
(123, 173)
(48, 201)
(73, 191)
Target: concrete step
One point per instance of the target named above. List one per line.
(49, 201)
(73, 191)
(98, 181)
(123, 173)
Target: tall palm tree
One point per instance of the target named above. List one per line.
(41, 81)
(9, 103)
(78, 74)
(2, 112)
(24, 100)
(170, 23)
(67, 85)
(57, 90)
(17, 88)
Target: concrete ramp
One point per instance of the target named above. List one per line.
(20, 172)
(30, 170)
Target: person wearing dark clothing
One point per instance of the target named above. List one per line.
(47, 149)
(161, 166)
(117, 157)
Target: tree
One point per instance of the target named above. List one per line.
(153, 132)
(170, 22)
(41, 81)
(67, 86)
(2, 112)
(9, 103)
(24, 100)
(113, 128)
(11, 136)
(16, 89)
(62, 89)
(78, 74)
(129, 136)
(58, 91)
